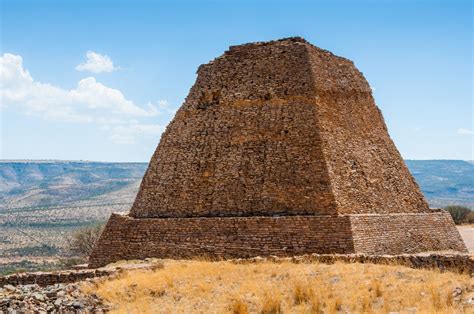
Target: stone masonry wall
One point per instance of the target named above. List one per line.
(405, 233)
(277, 128)
(366, 171)
(51, 278)
(137, 238)
(244, 143)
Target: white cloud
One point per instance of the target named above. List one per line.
(465, 131)
(126, 134)
(89, 102)
(19, 88)
(48, 101)
(96, 63)
(165, 107)
(98, 96)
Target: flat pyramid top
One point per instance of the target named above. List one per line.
(285, 63)
(277, 128)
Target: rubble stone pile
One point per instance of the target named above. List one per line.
(57, 298)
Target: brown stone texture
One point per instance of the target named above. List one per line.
(126, 237)
(405, 233)
(279, 128)
(51, 278)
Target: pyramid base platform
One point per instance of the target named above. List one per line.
(127, 238)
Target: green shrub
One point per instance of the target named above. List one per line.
(459, 213)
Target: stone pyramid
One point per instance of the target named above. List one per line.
(279, 149)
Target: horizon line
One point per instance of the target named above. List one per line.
(136, 162)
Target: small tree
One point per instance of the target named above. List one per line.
(83, 241)
(459, 213)
(470, 217)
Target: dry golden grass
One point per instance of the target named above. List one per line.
(239, 307)
(267, 287)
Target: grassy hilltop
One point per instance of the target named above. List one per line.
(269, 287)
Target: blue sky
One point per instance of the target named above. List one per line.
(99, 80)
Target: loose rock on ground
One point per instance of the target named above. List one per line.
(57, 298)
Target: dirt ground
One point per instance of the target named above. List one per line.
(467, 234)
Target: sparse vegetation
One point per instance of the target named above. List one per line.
(302, 293)
(30, 266)
(268, 287)
(83, 241)
(459, 213)
(470, 218)
(38, 250)
(271, 303)
(43, 202)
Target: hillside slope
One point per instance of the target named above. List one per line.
(58, 183)
(445, 182)
(41, 203)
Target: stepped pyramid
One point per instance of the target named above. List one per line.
(279, 149)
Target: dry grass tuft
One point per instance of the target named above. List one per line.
(315, 304)
(284, 287)
(376, 287)
(271, 304)
(239, 307)
(302, 293)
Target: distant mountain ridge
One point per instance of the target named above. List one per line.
(53, 183)
(445, 182)
(40, 183)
